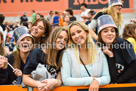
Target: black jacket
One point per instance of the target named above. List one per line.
(122, 66)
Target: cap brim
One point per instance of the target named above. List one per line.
(105, 26)
(25, 35)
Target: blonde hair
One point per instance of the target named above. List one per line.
(2, 49)
(52, 53)
(117, 17)
(91, 49)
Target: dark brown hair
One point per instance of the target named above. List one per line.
(46, 26)
(129, 31)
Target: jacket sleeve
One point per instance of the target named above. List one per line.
(130, 58)
(129, 73)
(3, 76)
(112, 69)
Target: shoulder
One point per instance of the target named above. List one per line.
(121, 40)
(131, 39)
(37, 50)
(98, 15)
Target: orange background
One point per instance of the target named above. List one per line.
(17, 8)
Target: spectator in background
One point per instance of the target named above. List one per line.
(55, 18)
(23, 19)
(33, 16)
(4, 51)
(60, 20)
(84, 14)
(133, 20)
(67, 21)
(7, 42)
(38, 15)
(53, 26)
(2, 17)
(130, 34)
(49, 18)
(24, 24)
(90, 15)
(70, 13)
(63, 15)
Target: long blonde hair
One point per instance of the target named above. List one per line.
(2, 49)
(117, 17)
(89, 41)
(52, 52)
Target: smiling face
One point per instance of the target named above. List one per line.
(25, 45)
(38, 30)
(61, 40)
(78, 35)
(108, 35)
(118, 8)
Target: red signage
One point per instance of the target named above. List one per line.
(12, 7)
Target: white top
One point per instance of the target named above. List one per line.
(84, 13)
(1, 30)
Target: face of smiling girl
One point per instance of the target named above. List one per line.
(38, 30)
(61, 40)
(25, 45)
(108, 35)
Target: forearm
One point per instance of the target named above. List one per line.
(59, 80)
(85, 81)
(27, 80)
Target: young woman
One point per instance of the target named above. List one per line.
(4, 51)
(130, 34)
(119, 52)
(114, 9)
(40, 30)
(83, 64)
(51, 60)
(8, 74)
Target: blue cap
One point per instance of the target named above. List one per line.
(105, 21)
(20, 33)
(114, 2)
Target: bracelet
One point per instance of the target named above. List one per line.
(58, 82)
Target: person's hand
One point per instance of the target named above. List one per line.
(50, 83)
(94, 86)
(17, 72)
(107, 51)
(133, 20)
(42, 87)
(3, 62)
